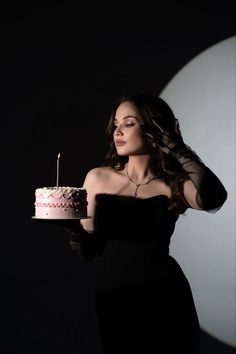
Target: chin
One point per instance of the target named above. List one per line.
(122, 154)
(125, 152)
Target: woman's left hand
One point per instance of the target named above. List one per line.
(163, 139)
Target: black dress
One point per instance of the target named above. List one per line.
(144, 302)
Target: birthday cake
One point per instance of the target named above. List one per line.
(60, 203)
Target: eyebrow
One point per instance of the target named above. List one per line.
(128, 116)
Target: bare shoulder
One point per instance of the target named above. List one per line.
(98, 173)
(97, 177)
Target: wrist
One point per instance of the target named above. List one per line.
(176, 151)
(76, 237)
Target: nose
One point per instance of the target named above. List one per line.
(118, 130)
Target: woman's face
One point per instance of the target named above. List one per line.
(128, 136)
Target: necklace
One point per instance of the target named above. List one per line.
(138, 184)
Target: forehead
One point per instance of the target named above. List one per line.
(127, 109)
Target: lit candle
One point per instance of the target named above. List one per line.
(58, 162)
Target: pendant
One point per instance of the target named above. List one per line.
(136, 190)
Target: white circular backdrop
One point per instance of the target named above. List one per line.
(202, 96)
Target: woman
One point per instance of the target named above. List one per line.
(144, 301)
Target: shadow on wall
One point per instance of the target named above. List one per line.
(210, 344)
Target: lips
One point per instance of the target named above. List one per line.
(119, 142)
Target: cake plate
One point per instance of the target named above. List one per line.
(77, 218)
(61, 222)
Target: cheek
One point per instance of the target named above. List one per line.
(135, 133)
(139, 136)
(137, 139)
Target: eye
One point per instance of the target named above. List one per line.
(129, 123)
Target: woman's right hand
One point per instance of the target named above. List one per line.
(72, 227)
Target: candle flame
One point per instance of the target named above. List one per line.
(59, 155)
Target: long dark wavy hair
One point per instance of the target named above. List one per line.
(152, 109)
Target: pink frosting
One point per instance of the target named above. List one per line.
(60, 202)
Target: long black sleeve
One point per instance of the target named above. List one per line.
(211, 194)
(85, 245)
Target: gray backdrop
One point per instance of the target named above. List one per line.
(62, 67)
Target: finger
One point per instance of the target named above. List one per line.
(158, 140)
(177, 127)
(158, 126)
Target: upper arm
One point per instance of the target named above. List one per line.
(91, 184)
(190, 194)
(210, 196)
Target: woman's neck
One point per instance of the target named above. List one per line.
(139, 168)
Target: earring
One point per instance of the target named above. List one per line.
(154, 145)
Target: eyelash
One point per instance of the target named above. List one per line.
(127, 125)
